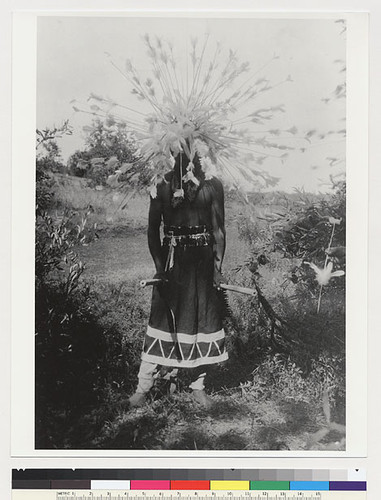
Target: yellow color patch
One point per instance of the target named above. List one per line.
(230, 485)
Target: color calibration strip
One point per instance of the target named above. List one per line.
(190, 479)
(192, 485)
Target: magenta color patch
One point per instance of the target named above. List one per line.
(150, 485)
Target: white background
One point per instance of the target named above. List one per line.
(372, 463)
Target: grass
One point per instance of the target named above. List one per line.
(263, 398)
(105, 204)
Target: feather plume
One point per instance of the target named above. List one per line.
(199, 111)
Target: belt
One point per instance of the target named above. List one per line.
(184, 236)
(186, 230)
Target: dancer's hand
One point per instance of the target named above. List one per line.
(161, 275)
(217, 278)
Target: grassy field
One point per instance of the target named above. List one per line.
(267, 397)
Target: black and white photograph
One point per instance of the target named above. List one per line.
(190, 233)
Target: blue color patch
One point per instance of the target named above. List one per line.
(309, 485)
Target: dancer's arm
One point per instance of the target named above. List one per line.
(218, 223)
(154, 244)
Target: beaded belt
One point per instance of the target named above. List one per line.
(184, 236)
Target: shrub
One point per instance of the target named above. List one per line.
(44, 184)
(110, 152)
(48, 160)
(286, 318)
(306, 233)
(88, 337)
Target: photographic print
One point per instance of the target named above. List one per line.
(190, 233)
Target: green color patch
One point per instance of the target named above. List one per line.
(269, 485)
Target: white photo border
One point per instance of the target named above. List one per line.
(23, 231)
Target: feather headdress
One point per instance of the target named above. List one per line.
(210, 109)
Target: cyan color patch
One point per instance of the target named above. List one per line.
(309, 485)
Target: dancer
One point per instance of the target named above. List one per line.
(185, 326)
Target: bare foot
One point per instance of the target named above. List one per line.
(138, 399)
(202, 398)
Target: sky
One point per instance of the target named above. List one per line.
(72, 63)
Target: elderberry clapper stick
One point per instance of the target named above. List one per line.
(223, 286)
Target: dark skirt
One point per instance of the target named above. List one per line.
(185, 326)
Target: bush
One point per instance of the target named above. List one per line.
(88, 347)
(48, 160)
(109, 148)
(88, 337)
(306, 233)
(286, 319)
(59, 304)
(44, 184)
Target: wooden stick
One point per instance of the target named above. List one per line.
(223, 286)
(153, 281)
(238, 289)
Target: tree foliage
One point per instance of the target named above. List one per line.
(48, 160)
(110, 157)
